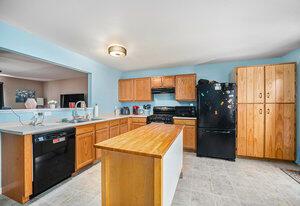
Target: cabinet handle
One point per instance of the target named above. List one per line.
(268, 111)
(260, 111)
(268, 95)
(260, 95)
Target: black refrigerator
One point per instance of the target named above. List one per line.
(216, 123)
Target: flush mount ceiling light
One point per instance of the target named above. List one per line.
(117, 50)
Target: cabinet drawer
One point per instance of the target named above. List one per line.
(138, 119)
(124, 121)
(114, 122)
(102, 125)
(191, 122)
(85, 129)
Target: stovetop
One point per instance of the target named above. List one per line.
(165, 118)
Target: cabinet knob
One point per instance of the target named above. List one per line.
(260, 95)
(268, 111)
(260, 111)
(268, 95)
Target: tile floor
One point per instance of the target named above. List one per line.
(206, 181)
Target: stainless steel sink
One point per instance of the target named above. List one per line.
(78, 120)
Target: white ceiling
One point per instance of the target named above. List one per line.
(18, 66)
(162, 33)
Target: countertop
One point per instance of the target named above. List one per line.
(150, 140)
(18, 129)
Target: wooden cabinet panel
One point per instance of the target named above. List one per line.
(241, 84)
(142, 89)
(156, 82)
(189, 138)
(191, 122)
(258, 85)
(136, 125)
(114, 122)
(102, 125)
(123, 128)
(126, 90)
(124, 121)
(280, 131)
(250, 131)
(250, 85)
(168, 81)
(185, 89)
(138, 119)
(84, 149)
(280, 83)
(85, 129)
(242, 129)
(113, 131)
(101, 135)
(289, 75)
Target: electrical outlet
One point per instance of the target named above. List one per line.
(48, 113)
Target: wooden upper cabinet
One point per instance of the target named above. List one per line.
(163, 82)
(185, 87)
(250, 81)
(280, 131)
(280, 83)
(126, 90)
(142, 89)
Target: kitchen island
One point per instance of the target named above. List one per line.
(142, 167)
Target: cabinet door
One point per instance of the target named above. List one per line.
(156, 82)
(250, 131)
(280, 131)
(289, 75)
(136, 125)
(168, 81)
(241, 84)
(113, 131)
(280, 83)
(123, 128)
(84, 149)
(185, 89)
(189, 138)
(142, 89)
(126, 90)
(101, 135)
(250, 84)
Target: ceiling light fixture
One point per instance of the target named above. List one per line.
(117, 50)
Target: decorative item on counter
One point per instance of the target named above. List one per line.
(30, 103)
(96, 111)
(52, 104)
(140, 111)
(147, 109)
(117, 111)
(71, 104)
(125, 111)
(40, 102)
(135, 110)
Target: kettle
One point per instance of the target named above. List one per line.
(135, 110)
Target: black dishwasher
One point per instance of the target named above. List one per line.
(53, 158)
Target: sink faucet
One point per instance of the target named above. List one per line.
(75, 112)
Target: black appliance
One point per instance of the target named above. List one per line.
(162, 114)
(65, 99)
(216, 122)
(185, 111)
(162, 90)
(125, 111)
(53, 158)
(1, 96)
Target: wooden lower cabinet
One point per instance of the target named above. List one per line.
(189, 133)
(85, 152)
(113, 131)
(123, 128)
(101, 135)
(136, 122)
(280, 131)
(136, 125)
(250, 130)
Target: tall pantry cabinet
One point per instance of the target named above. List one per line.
(266, 111)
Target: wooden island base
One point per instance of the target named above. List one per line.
(133, 174)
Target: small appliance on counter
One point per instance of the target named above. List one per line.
(162, 114)
(117, 111)
(147, 109)
(125, 111)
(185, 111)
(216, 119)
(135, 110)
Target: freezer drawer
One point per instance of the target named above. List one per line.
(216, 143)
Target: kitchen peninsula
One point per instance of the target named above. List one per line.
(142, 167)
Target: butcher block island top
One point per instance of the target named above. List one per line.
(151, 140)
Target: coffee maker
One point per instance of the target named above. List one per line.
(135, 110)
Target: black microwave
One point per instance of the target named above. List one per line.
(185, 111)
